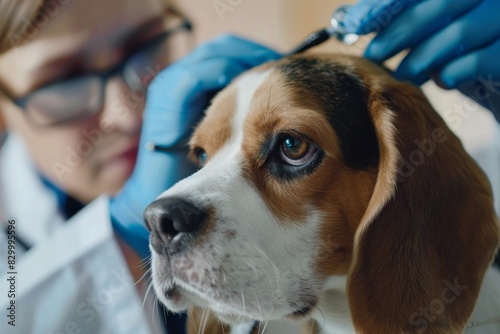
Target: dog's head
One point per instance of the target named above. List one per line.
(317, 167)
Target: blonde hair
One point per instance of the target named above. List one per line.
(18, 21)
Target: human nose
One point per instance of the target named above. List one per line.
(122, 107)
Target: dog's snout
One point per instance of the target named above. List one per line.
(168, 217)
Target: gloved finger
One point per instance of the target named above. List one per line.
(478, 65)
(465, 34)
(414, 25)
(477, 75)
(366, 16)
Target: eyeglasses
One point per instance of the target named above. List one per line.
(80, 97)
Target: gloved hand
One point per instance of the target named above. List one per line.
(366, 16)
(454, 42)
(175, 101)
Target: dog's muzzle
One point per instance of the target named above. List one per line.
(173, 222)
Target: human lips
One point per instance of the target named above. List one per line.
(124, 158)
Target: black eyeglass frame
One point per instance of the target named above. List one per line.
(103, 76)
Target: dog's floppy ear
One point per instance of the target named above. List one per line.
(430, 229)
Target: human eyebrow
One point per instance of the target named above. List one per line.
(142, 34)
(53, 70)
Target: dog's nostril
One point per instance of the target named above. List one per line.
(170, 216)
(166, 227)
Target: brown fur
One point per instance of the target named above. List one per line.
(439, 226)
(215, 130)
(274, 111)
(398, 236)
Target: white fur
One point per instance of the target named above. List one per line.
(267, 266)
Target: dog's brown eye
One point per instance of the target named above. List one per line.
(296, 151)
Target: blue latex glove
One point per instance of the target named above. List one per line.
(368, 16)
(175, 101)
(454, 42)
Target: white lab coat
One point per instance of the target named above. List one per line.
(75, 278)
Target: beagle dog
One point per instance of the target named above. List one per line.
(331, 193)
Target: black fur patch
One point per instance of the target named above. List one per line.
(343, 97)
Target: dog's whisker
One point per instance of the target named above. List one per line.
(264, 328)
(158, 305)
(203, 322)
(164, 314)
(324, 320)
(259, 307)
(155, 311)
(146, 274)
(222, 327)
(146, 296)
(313, 326)
(145, 262)
(191, 318)
(200, 325)
(278, 274)
(144, 265)
(243, 300)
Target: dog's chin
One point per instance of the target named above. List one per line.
(173, 298)
(178, 296)
(178, 299)
(170, 294)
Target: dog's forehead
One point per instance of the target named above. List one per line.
(228, 111)
(263, 94)
(302, 93)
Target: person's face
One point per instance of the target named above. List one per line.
(97, 154)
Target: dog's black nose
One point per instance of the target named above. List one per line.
(166, 217)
